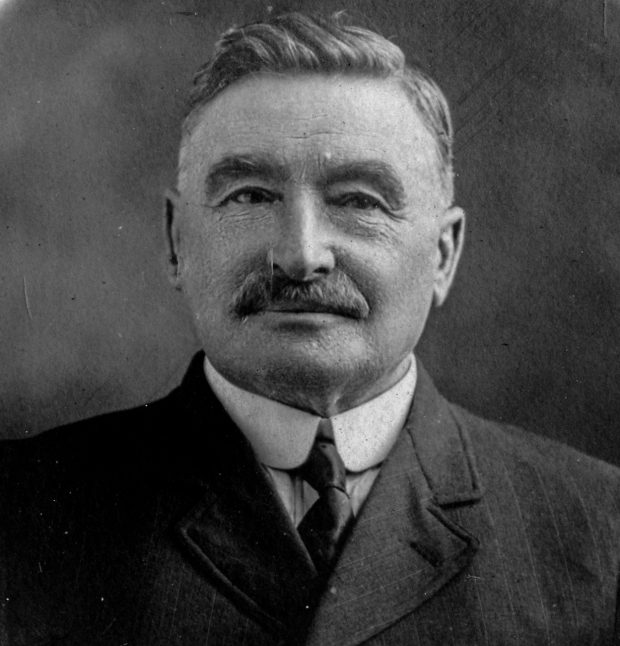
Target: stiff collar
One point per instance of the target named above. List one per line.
(282, 436)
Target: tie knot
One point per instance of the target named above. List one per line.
(324, 467)
(323, 528)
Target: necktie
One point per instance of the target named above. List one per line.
(324, 526)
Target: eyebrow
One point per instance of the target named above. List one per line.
(235, 167)
(374, 172)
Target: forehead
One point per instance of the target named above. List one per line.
(311, 119)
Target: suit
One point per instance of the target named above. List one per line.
(158, 526)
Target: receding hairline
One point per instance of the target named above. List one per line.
(295, 44)
(197, 116)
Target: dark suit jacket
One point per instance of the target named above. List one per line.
(156, 526)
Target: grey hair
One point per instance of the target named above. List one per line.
(299, 43)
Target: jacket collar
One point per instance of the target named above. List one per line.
(236, 531)
(403, 547)
(442, 446)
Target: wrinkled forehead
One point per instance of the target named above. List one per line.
(308, 122)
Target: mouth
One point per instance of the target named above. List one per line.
(304, 307)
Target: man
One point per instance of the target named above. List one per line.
(306, 483)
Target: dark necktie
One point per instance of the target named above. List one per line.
(324, 526)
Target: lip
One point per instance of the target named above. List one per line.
(301, 308)
(303, 318)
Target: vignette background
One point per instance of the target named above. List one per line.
(91, 103)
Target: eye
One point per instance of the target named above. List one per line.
(250, 195)
(359, 201)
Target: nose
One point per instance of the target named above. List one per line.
(302, 250)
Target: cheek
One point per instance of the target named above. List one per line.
(216, 260)
(404, 299)
(400, 275)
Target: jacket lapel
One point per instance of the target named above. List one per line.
(241, 537)
(403, 548)
(237, 532)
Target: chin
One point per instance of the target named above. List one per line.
(285, 370)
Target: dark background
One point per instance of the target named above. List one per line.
(91, 98)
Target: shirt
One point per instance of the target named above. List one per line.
(282, 436)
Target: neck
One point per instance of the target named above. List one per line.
(322, 398)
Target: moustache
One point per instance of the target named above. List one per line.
(335, 295)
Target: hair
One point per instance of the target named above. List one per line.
(296, 43)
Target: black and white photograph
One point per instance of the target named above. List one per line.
(310, 323)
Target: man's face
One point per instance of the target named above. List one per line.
(311, 234)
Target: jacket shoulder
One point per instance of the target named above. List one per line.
(520, 454)
(96, 444)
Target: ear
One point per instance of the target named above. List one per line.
(172, 236)
(450, 245)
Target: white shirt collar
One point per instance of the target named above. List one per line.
(282, 436)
